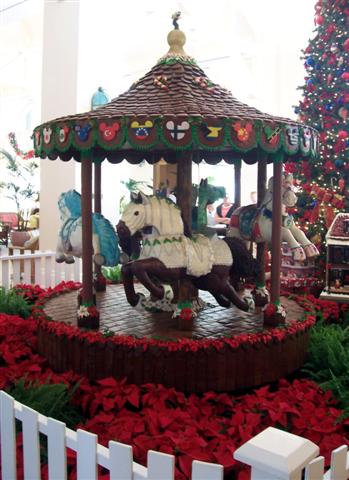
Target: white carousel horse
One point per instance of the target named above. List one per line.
(252, 223)
(69, 245)
(167, 255)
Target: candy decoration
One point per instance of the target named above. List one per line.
(109, 131)
(21, 153)
(161, 82)
(205, 83)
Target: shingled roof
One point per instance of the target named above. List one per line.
(175, 106)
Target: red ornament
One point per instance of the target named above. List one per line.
(331, 28)
(341, 183)
(342, 134)
(329, 78)
(345, 76)
(319, 20)
(346, 45)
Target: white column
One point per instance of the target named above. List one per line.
(59, 98)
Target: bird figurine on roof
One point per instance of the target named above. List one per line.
(175, 18)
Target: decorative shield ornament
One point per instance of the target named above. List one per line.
(314, 144)
(270, 137)
(63, 136)
(48, 140)
(291, 139)
(306, 140)
(83, 137)
(38, 141)
(243, 135)
(142, 132)
(210, 133)
(176, 132)
(110, 133)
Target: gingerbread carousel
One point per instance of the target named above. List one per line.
(162, 330)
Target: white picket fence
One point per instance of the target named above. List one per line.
(117, 458)
(38, 268)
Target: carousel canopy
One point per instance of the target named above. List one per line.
(175, 107)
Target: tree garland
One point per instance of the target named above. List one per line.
(24, 155)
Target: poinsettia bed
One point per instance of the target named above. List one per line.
(207, 427)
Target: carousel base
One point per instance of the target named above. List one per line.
(186, 369)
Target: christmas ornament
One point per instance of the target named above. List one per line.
(346, 45)
(343, 113)
(345, 76)
(319, 20)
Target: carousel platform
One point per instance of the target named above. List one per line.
(196, 360)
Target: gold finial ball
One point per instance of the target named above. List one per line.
(176, 40)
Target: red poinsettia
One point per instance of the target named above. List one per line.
(186, 314)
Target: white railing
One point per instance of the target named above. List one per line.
(117, 458)
(277, 455)
(38, 268)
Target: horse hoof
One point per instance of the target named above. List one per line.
(99, 259)
(168, 292)
(311, 251)
(250, 303)
(124, 258)
(298, 254)
(69, 260)
(60, 259)
(139, 304)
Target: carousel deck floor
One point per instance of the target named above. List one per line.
(118, 316)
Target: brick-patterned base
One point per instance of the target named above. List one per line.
(224, 370)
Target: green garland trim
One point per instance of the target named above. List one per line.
(177, 59)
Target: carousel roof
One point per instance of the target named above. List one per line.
(174, 107)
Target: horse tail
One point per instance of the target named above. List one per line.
(244, 265)
(108, 240)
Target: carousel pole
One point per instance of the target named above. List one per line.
(87, 297)
(184, 189)
(237, 184)
(261, 295)
(99, 284)
(186, 290)
(276, 240)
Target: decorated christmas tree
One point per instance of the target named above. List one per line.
(324, 182)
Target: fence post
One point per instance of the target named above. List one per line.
(160, 466)
(86, 455)
(276, 455)
(206, 471)
(8, 436)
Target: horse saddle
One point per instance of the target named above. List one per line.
(247, 221)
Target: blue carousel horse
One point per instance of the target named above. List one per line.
(69, 245)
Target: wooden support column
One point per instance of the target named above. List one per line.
(237, 184)
(184, 189)
(276, 232)
(261, 189)
(86, 214)
(99, 285)
(97, 187)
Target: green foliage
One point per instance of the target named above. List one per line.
(52, 400)
(21, 185)
(328, 360)
(113, 274)
(13, 304)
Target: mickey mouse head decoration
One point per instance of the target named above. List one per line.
(63, 133)
(141, 131)
(82, 132)
(108, 132)
(47, 134)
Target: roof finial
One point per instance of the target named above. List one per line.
(175, 18)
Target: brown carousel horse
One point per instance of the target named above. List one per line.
(167, 255)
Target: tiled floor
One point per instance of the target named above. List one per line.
(119, 317)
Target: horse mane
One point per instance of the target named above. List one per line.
(165, 216)
(72, 200)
